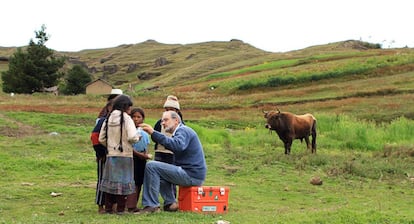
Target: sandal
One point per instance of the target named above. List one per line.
(133, 210)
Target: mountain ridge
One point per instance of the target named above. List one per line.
(343, 77)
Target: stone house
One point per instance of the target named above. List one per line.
(99, 86)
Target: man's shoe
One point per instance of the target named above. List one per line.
(171, 207)
(148, 210)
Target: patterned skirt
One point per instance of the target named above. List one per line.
(118, 176)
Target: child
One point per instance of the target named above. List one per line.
(100, 153)
(118, 133)
(140, 158)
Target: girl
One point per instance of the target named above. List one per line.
(118, 133)
(140, 158)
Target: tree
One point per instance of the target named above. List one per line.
(34, 70)
(76, 79)
(12, 78)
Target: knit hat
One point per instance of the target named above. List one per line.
(172, 101)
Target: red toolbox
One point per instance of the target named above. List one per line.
(205, 199)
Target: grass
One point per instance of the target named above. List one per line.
(360, 184)
(365, 126)
(288, 72)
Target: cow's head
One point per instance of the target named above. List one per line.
(267, 113)
(270, 116)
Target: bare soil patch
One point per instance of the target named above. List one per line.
(70, 109)
(21, 130)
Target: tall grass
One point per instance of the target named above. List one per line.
(345, 132)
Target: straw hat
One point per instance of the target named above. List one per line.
(116, 92)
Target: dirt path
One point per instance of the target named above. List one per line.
(17, 128)
(51, 109)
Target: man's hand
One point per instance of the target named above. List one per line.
(147, 128)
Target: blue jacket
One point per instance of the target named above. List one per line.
(187, 148)
(142, 144)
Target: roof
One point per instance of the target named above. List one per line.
(99, 79)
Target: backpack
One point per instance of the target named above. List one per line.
(100, 150)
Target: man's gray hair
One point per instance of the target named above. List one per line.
(174, 115)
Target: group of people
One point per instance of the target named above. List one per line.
(121, 142)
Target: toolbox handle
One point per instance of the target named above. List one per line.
(222, 191)
(200, 190)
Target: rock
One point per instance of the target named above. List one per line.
(54, 194)
(222, 222)
(316, 181)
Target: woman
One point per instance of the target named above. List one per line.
(118, 133)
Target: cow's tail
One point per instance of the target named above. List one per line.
(314, 136)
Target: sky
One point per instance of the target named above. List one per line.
(270, 25)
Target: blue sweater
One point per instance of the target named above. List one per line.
(187, 148)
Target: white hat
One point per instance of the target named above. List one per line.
(116, 91)
(172, 101)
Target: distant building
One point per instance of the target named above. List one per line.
(99, 86)
(53, 89)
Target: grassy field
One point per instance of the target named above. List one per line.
(361, 98)
(367, 168)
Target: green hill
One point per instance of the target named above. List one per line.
(344, 77)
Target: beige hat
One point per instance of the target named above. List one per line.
(172, 101)
(116, 91)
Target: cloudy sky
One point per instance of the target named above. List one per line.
(271, 25)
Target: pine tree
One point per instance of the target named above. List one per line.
(76, 80)
(34, 70)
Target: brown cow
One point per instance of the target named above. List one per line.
(290, 127)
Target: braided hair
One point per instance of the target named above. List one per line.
(122, 103)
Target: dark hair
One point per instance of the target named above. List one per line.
(112, 96)
(107, 109)
(139, 110)
(122, 103)
(181, 115)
